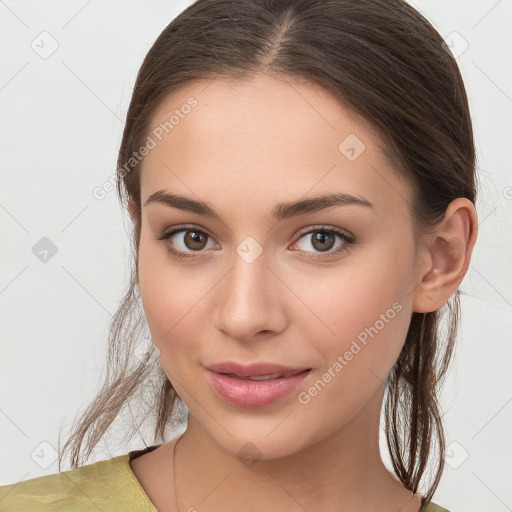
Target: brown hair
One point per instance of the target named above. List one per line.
(387, 63)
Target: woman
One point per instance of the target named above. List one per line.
(301, 180)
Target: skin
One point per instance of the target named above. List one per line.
(244, 148)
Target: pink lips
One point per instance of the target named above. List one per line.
(232, 382)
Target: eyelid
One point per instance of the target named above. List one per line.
(325, 227)
(183, 227)
(302, 232)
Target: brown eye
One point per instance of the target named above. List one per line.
(323, 240)
(195, 240)
(185, 242)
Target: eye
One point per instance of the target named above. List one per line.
(323, 239)
(184, 241)
(188, 240)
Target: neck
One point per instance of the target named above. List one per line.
(341, 471)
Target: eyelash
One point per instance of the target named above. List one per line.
(347, 241)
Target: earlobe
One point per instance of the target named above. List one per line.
(450, 249)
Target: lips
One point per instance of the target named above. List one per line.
(255, 371)
(255, 385)
(260, 377)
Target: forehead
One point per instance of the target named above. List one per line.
(222, 137)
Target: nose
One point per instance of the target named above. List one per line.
(250, 300)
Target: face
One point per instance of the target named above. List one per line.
(324, 289)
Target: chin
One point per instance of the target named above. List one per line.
(252, 439)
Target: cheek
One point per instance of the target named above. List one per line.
(370, 323)
(365, 309)
(177, 304)
(169, 295)
(354, 295)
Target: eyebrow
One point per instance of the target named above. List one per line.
(281, 211)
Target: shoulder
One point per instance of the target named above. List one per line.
(432, 507)
(106, 485)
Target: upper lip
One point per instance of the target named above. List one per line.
(254, 369)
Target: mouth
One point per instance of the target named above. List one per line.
(254, 391)
(263, 369)
(264, 377)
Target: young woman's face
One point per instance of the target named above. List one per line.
(324, 289)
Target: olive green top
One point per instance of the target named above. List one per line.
(107, 486)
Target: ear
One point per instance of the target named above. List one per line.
(133, 210)
(448, 256)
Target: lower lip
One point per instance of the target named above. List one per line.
(251, 393)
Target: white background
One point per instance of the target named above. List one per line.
(61, 121)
